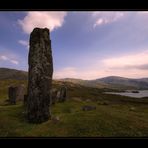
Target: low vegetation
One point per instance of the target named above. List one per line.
(114, 116)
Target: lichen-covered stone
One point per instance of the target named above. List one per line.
(20, 93)
(40, 76)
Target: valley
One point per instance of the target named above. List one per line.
(114, 116)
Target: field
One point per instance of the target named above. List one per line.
(115, 116)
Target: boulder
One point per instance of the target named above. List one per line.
(55, 119)
(88, 108)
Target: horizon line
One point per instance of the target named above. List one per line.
(77, 78)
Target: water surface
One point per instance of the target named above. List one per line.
(142, 93)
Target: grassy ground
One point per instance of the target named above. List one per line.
(115, 116)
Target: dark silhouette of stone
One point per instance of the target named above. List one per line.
(54, 95)
(16, 93)
(25, 99)
(88, 108)
(40, 76)
(63, 94)
(12, 95)
(58, 95)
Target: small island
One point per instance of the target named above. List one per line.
(135, 91)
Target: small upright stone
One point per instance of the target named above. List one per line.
(40, 76)
(58, 95)
(63, 94)
(54, 95)
(16, 93)
(20, 93)
(12, 95)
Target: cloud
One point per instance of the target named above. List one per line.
(24, 43)
(102, 18)
(66, 72)
(51, 20)
(14, 62)
(133, 60)
(143, 12)
(5, 58)
(73, 72)
(144, 67)
(132, 66)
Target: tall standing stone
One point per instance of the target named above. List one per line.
(40, 76)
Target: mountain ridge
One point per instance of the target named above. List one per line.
(105, 82)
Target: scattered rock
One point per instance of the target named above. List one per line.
(88, 100)
(55, 119)
(102, 103)
(132, 109)
(88, 108)
(77, 99)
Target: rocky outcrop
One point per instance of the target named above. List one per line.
(40, 76)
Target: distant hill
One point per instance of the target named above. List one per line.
(113, 82)
(6, 73)
(122, 82)
(143, 79)
(88, 83)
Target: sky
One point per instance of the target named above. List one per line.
(85, 44)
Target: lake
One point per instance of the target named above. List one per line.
(142, 93)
